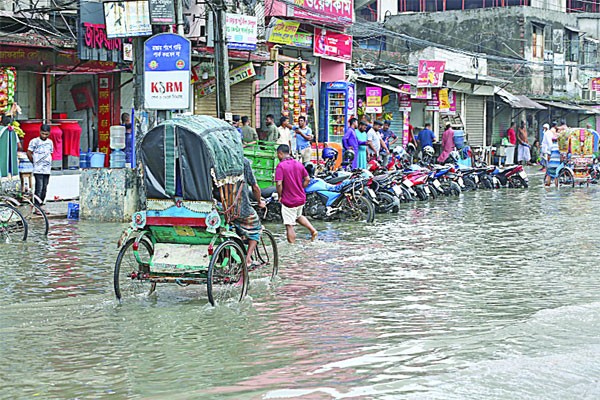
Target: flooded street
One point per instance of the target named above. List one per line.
(490, 295)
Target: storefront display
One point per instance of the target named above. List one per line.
(8, 78)
(294, 91)
(337, 98)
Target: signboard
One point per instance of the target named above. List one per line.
(236, 75)
(104, 122)
(92, 40)
(431, 73)
(433, 104)
(405, 128)
(595, 84)
(241, 32)
(341, 11)
(374, 100)
(451, 110)
(167, 59)
(404, 102)
(162, 12)
(351, 101)
(444, 100)
(303, 40)
(420, 93)
(127, 19)
(333, 45)
(283, 31)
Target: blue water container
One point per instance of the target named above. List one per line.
(117, 159)
(84, 160)
(459, 139)
(73, 211)
(97, 160)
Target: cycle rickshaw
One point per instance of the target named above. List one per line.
(193, 177)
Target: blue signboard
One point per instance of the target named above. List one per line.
(167, 67)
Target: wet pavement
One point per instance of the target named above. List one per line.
(490, 295)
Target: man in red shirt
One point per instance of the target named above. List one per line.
(510, 133)
(291, 178)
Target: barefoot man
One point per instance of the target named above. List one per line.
(291, 178)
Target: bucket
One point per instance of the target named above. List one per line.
(97, 160)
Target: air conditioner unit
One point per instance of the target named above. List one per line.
(587, 94)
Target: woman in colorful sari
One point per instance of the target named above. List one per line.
(361, 135)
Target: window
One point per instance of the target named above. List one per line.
(538, 43)
(571, 46)
(590, 52)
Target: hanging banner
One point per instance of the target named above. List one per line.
(434, 103)
(283, 31)
(431, 73)
(444, 100)
(404, 101)
(104, 115)
(167, 61)
(127, 19)
(236, 75)
(374, 100)
(420, 93)
(333, 45)
(303, 40)
(451, 104)
(405, 128)
(241, 32)
(595, 84)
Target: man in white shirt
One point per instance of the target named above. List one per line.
(285, 132)
(546, 144)
(375, 142)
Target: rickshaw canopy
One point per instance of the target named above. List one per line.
(578, 142)
(9, 165)
(183, 157)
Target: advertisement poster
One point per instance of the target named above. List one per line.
(444, 100)
(451, 104)
(431, 74)
(595, 84)
(236, 75)
(374, 100)
(434, 103)
(162, 12)
(283, 31)
(104, 114)
(405, 128)
(303, 40)
(167, 59)
(127, 19)
(420, 93)
(241, 32)
(340, 10)
(404, 101)
(333, 45)
(295, 103)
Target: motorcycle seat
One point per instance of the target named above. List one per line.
(336, 179)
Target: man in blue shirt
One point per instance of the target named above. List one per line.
(426, 137)
(387, 134)
(303, 138)
(350, 141)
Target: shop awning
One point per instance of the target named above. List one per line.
(412, 80)
(472, 78)
(591, 110)
(564, 106)
(518, 101)
(379, 84)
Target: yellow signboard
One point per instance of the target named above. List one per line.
(283, 31)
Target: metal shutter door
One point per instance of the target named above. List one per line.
(241, 101)
(475, 120)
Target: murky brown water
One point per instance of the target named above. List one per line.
(491, 295)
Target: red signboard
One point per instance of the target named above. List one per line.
(338, 11)
(104, 116)
(95, 38)
(595, 84)
(333, 45)
(434, 103)
(404, 102)
(431, 73)
(43, 58)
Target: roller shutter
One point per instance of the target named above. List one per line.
(475, 120)
(241, 101)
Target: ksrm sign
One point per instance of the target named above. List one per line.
(167, 59)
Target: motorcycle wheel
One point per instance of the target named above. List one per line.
(433, 192)
(421, 195)
(469, 184)
(454, 189)
(406, 196)
(486, 183)
(361, 210)
(387, 203)
(519, 183)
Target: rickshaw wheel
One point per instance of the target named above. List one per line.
(36, 217)
(265, 258)
(566, 178)
(13, 226)
(129, 276)
(227, 273)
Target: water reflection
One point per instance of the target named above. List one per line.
(492, 294)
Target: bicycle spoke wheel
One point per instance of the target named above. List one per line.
(265, 259)
(13, 226)
(129, 276)
(227, 273)
(37, 219)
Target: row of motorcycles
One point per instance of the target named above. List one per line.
(358, 194)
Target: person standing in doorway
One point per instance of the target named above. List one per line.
(236, 124)
(272, 132)
(40, 154)
(291, 179)
(303, 138)
(249, 135)
(524, 154)
(447, 144)
(511, 134)
(546, 144)
(425, 137)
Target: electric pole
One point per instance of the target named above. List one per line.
(222, 59)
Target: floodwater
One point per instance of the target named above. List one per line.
(491, 295)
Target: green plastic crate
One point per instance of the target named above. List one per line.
(263, 157)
